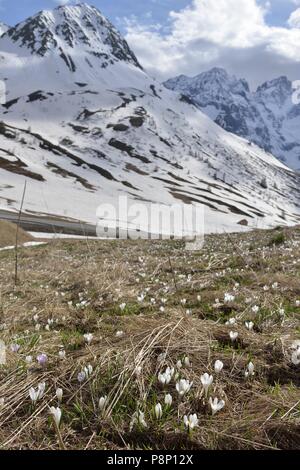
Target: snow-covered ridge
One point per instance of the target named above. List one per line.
(86, 134)
(267, 116)
(3, 28)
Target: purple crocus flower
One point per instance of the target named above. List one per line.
(81, 376)
(42, 359)
(15, 347)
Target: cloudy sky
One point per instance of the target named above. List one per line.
(255, 39)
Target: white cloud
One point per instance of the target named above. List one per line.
(229, 33)
(63, 2)
(294, 19)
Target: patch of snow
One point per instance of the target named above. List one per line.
(24, 245)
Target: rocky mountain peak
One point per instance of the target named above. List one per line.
(72, 27)
(276, 91)
(266, 117)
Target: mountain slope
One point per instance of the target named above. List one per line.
(83, 123)
(266, 117)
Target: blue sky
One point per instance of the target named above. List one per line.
(114, 9)
(13, 11)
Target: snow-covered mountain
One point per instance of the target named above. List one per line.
(84, 123)
(266, 117)
(3, 28)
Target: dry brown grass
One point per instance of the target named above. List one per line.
(260, 413)
(8, 234)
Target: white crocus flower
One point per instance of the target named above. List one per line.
(183, 386)
(249, 325)
(56, 414)
(122, 307)
(88, 370)
(41, 389)
(163, 379)
(216, 405)
(102, 402)
(138, 418)
(206, 381)
(59, 394)
(233, 335)
(62, 354)
(231, 321)
(255, 309)
(28, 359)
(166, 377)
(158, 411)
(250, 370)
(168, 400)
(34, 395)
(170, 371)
(228, 298)
(88, 337)
(218, 366)
(187, 362)
(190, 421)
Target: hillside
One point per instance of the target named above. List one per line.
(8, 234)
(110, 331)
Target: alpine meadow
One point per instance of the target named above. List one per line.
(150, 228)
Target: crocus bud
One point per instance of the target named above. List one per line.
(218, 366)
(158, 411)
(168, 400)
(59, 394)
(56, 414)
(102, 402)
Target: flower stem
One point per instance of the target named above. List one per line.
(60, 440)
